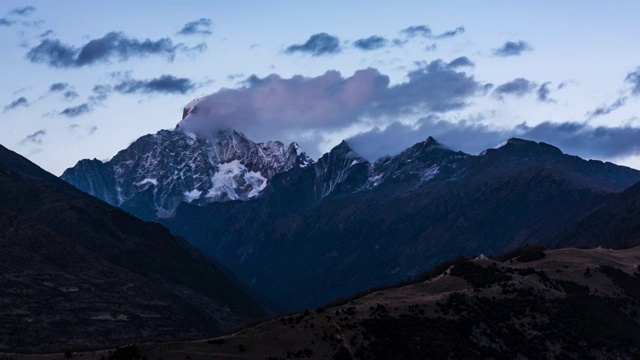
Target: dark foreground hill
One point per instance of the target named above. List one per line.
(77, 273)
(562, 304)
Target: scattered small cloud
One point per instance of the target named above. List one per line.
(543, 93)
(634, 79)
(33, 23)
(608, 108)
(512, 48)
(47, 33)
(23, 11)
(373, 42)
(461, 61)
(60, 86)
(235, 76)
(112, 46)
(76, 111)
(165, 84)
(6, 22)
(451, 33)
(254, 46)
(516, 87)
(70, 95)
(417, 30)
(201, 26)
(99, 93)
(317, 45)
(35, 138)
(82, 131)
(19, 102)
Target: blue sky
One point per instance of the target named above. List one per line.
(84, 80)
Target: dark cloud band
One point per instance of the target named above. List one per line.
(112, 46)
(165, 84)
(469, 136)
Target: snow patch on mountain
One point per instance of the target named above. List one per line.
(171, 167)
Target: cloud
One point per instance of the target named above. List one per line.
(606, 109)
(47, 33)
(517, 87)
(23, 11)
(35, 138)
(283, 108)
(70, 95)
(543, 93)
(461, 61)
(75, 111)
(112, 46)
(201, 26)
(166, 84)
(19, 102)
(417, 30)
(65, 89)
(56, 87)
(634, 79)
(317, 45)
(82, 130)
(426, 32)
(451, 33)
(512, 48)
(6, 22)
(471, 136)
(100, 93)
(371, 43)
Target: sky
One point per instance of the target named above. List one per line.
(85, 79)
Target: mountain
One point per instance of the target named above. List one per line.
(77, 273)
(614, 224)
(403, 216)
(327, 229)
(157, 172)
(567, 303)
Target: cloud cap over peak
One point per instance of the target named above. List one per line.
(287, 107)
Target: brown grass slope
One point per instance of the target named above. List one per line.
(562, 304)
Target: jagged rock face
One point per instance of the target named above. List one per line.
(341, 170)
(157, 172)
(423, 162)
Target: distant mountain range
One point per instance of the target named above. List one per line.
(77, 273)
(301, 233)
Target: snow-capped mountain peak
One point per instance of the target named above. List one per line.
(171, 167)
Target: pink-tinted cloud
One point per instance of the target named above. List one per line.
(279, 108)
